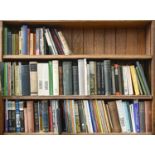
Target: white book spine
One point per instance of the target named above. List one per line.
(130, 86)
(81, 79)
(74, 120)
(85, 77)
(120, 110)
(132, 118)
(45, 73)
(88, 118)
(65, 46)
(125, 80)
(88, 80)
(55, 77)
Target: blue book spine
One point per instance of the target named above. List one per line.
(24, 32)
(136, 116)
(45, 116)
(92, 116)
(127, 118)
(18, 123)
(9, 43)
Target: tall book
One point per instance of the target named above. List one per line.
(67, 77)
(148, 116)
(30, 116)
(82, 76)
(33, 78)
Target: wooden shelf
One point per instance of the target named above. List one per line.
(82, 133)
(96, 56)
(71, 97)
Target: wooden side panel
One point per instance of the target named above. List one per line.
(88, 41)
(99, 41)
(1, 36)
(1, 115)
(131, 41)
(77, 41)
(68, 36)
(121, 41)
(109, 42)
(153, 73)
(141, 46)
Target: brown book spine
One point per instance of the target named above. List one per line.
(34, 44)
(148, 116)
(28, 42)
(114, 116)
(25, 119)
(60, 80)
(30, 116)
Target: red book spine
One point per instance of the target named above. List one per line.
(50, 118)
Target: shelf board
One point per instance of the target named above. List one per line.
(82, 133)
(96, 56)
(72, 97)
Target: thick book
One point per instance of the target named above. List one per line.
(107, 77)
(114, 116)
(33, 78)
(25, 75)
(24, 36)
(136, 115)
(75, 79)
(82, 76)
(142, 116)
(67, 78)
(30, 116)
(148, 116)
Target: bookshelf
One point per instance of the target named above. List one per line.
(94, 40)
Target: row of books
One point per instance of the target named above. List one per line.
(73, 78)
(77, 116)
(34, 41)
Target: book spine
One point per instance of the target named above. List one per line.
(113, 80)
(75, 80)
(45, 119)
(55, 77)
(50, 117)
(102, 79)
(98, 77)
(148, 116)
(142, 116)
(50, 66)
(24, 36)
(36, 117)
(30, 116)
(21, 108)
(18, 122)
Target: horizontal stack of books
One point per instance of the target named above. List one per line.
(78, 116)
(34, 41)
(79, 77)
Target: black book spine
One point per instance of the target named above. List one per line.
(116, 78)
(120, 74)
(9, 121)
(75, 80)
(102, 79)
(9, 52)
(22, 128)
(36, 117)
(13, 117)
(58, 115)
(25, 74)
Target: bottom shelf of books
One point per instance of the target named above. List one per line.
(78, 117)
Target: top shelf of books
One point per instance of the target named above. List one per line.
(80, 56)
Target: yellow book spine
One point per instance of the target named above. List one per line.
(134, 79)
(98, 117)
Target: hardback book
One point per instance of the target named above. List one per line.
(142, 116)
(67, 77)
(21, 108)
(24, 39)
(130, 87)
(18, 121)
(25, 118)
(116, 77)
(82, 76)
(114, 116)
(25, 78)
(125, 80)
(98, 78)
(36, 116)
(92, 76)
(148, 116)
(113, 80)
(43, 79)
(107, 77)
(30, 116)
(33, 78)
(132, 117)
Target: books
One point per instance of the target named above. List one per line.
(77, 116)
(36, 41)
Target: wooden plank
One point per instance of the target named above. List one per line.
(121, 41)
(2, 115)
(99, 41)
(148, 39)
(111, 97)
(88, 41)
(77, 41)
(132, 41)
(141, 41)
(78, 56)
(1, 36)
(153, 73)
(109, 43)
(68, 36)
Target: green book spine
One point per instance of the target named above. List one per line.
(140, 86)
(50, 77)
(5, 79)
(17, 43)
(5, 40)
(13, 44)
(143, 78)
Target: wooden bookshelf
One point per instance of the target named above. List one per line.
(80, 97)
(114, 40)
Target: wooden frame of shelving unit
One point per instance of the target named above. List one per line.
(115, 40)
